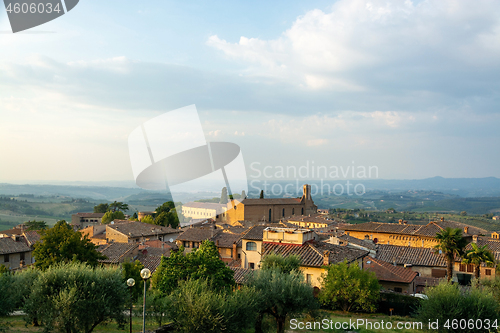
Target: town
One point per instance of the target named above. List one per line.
(248, 235)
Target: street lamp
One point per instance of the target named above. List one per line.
(145, 275)
(131, 283)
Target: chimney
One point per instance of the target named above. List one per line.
(466, 229)
(405, 222)
(326, 258)
(442, 218)
(474, 238)
(400, 221)
(235, 251)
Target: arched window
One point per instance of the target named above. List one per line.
(293, 211)
(302, 210)
(283, 214)
(251, 246)
(269, 215)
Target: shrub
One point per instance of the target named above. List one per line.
(196, 307)
(76, 298)
(349, 288)
(447, 302)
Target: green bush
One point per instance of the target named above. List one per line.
(196, 307)
(76, 298)
(448, 302)
(402, 305)
(349, 288)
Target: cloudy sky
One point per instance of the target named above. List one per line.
(409, 87)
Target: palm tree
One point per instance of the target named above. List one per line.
(477, 256)
(451, 243)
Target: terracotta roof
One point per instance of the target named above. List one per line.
(257, 232)
(117, 252)
(236, 230)
(151, 257)
(137, 229)
(318, 218)
(225, 239)
(491, 243)
(417, 256)
(90, 215)
(311, 254)
(278, 201)
(368, 244)
(428, 230)
(159, 244)
(387, 272)
(470, 229)
(8, 245)
(13, 231)
(198, 234)
(32, 237)
(241, 275)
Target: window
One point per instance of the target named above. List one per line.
(470, 268)
(309, 278)
(487, 272)
(185, 244)
(293, 211)
(398, 290)
(251, 265)
(283, 214)
(251, 246)
(462, 268)
(6, 258)
(21, 256)
(302, 211)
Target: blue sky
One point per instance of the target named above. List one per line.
(409, 87)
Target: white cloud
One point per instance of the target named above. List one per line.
(392, 40)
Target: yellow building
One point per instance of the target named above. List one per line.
(403, 234)
(260, 241)
(313, 221)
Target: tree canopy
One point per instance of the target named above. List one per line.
(62, 244)
(223, 196)
(348, 287)
(74, 297)
(117, 206)
(284, 264)
(133, 270)
(36, 225)
(280, 295)
(101, 208)
(451, 243)
(478, 255)
(202, 263)
(111, 216)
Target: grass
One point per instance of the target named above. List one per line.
(18, 324)
(333, 317)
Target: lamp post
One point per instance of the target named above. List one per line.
(145, 274)
(130, 283)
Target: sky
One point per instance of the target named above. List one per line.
(411, 88)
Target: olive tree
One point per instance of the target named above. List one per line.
(281, 294)
(76, 298)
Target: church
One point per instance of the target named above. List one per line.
(270, 210)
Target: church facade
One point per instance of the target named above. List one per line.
(270, 210)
